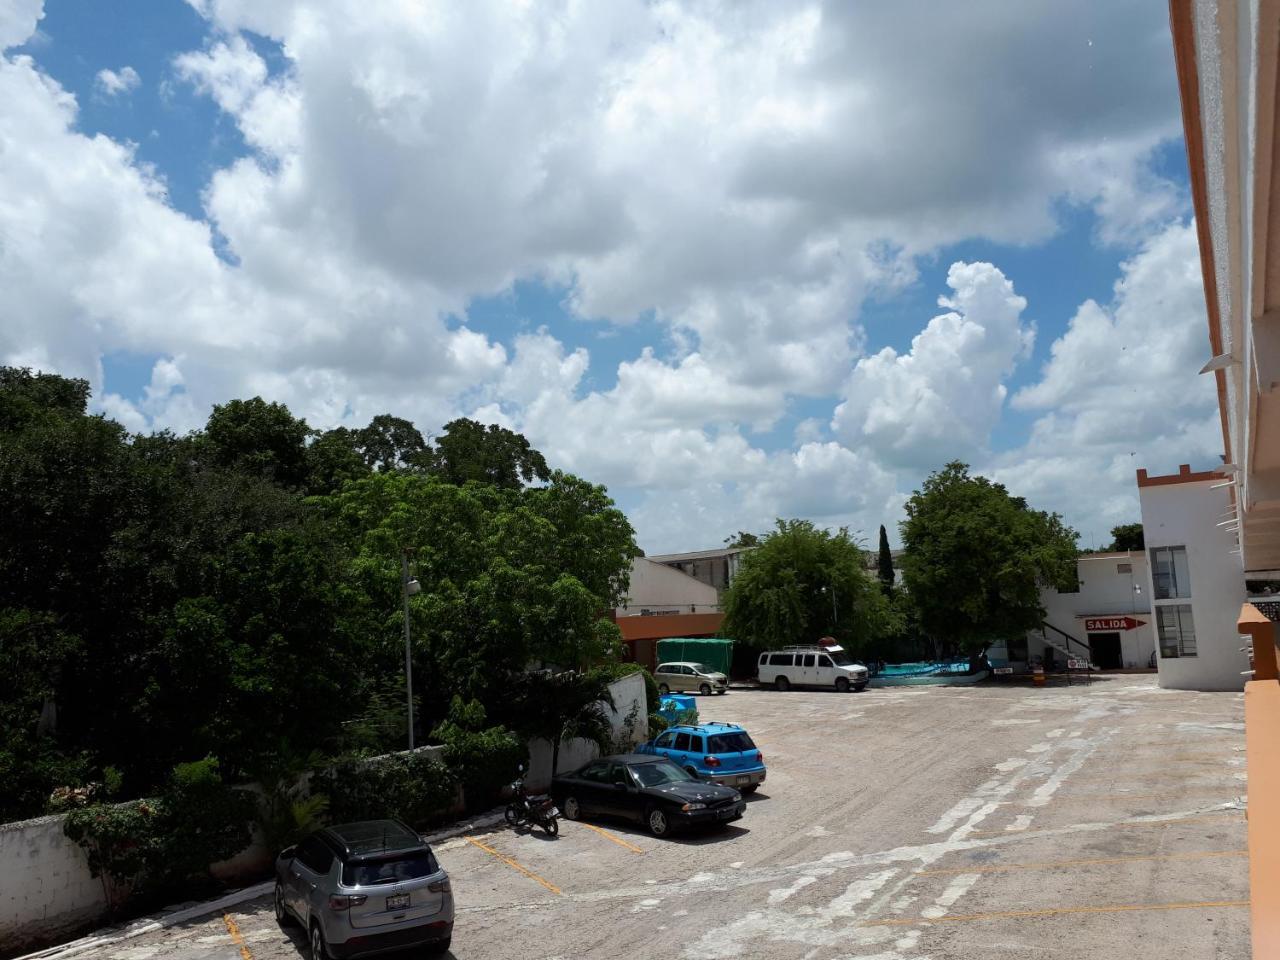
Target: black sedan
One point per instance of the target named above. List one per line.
(647, 788)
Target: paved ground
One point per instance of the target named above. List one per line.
(1101, 822)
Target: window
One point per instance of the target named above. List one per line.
(730, 742)
(620, 774)
(695, 743)
(406, 866)
(1124, 568)
(1169, 573)
(682, 741)
(597, 772)
(665, 740)
(657, 774)
(780, 660)
(315, 856)
(824, 661)
(808, 660)
(1176, 630)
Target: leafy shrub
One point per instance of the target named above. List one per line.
(414, 787)
(482, 758)
(124, 844)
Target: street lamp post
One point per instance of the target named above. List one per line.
(408, 587)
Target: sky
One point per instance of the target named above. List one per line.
(734, 260)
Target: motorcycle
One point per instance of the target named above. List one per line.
(524, 810)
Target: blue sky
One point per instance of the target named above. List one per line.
(674, 273)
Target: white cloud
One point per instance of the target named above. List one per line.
(113, 83)
(941, 400)
(18, 19)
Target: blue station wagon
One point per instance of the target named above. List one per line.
(716, 752)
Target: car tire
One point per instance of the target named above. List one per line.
(440, 946)
(705, 689)
(691, 771)
(656, 820)
(663, 689)
(319, 949)
(282, 912)
(783, 684)
(571, 809)
(842, 684)
(751, 789)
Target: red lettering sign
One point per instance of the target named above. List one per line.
(1102, 624)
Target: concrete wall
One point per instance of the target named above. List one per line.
(658, 588)
(629, 719)
(46, 889)
(1187, 514)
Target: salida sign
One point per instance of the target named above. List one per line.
(1095, 624)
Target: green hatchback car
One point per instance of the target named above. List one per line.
(683, 677)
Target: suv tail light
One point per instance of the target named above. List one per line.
(346, 901)
(711, 761)
(760, 757)
(439, 886)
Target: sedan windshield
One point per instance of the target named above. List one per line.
(657, 774)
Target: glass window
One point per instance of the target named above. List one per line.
(682, 741)
(809, 660)
(1176, 630)
(730, 742)
(597, 772)
(620, 774)
(315, 856)
(825, 661)
(780, 660)
(1170, 575)
(406, 866)
(695, 743)
(665, 740)
(656, 774)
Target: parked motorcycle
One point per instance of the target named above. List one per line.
(524, 810)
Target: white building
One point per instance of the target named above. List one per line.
(1196, 582)
(660, 590)
(713, 567)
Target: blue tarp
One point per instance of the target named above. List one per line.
(673, 704)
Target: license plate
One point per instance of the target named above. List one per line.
(741, 780)
(553, 812)
(398, 902)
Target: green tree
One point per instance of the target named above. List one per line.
(742, 539)
(885, 563)
(976, 557)
(332, 459)
(1127, 536)
(468, 450)
(566, 706)
(260, 438)
(802, 583)
(391, 443)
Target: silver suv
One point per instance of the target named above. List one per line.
(365, 888)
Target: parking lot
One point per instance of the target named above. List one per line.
(1100, 821)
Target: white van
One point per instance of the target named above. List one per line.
(827, 667)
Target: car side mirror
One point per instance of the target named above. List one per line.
(288, 852)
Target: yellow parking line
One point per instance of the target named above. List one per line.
(1050, 864)
(1058, 911)
(513, 865)
(1134, 823)
(618, 840)
(236, 938)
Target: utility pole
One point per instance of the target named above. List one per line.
(408, 587)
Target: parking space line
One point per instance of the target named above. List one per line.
(1092, 797)
(1050, 864)
(1058, 911)
(1171, 821)
(609, 836)
(514, 866)
(236, 938)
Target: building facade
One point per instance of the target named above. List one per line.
(716, 568)
(662, 603)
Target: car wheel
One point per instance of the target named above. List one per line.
(570, 808)
(705, 689)
(842, 684)
(440, 946)
(657, 822)
(751, 789)
(319, 949)
(663, 689)
(782, 683)
(282, 912)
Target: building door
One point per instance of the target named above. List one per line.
(1106, 650)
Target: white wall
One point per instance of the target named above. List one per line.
(45, 886)
(657, 587)
(1187, 515)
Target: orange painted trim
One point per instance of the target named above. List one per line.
(1254, 623)
(1262, 733)
(1184, 475)
(1182, 25)
(670, 625)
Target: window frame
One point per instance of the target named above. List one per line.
(1177, 572)
(1184, 624)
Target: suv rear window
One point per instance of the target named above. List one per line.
(730, 742)
(404, 866)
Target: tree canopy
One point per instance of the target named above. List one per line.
(803, 583)
(236, 591)
(1127, 536)
(975, 559)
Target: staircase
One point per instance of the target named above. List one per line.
(1072, 647)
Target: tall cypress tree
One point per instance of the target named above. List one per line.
(886, 563)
